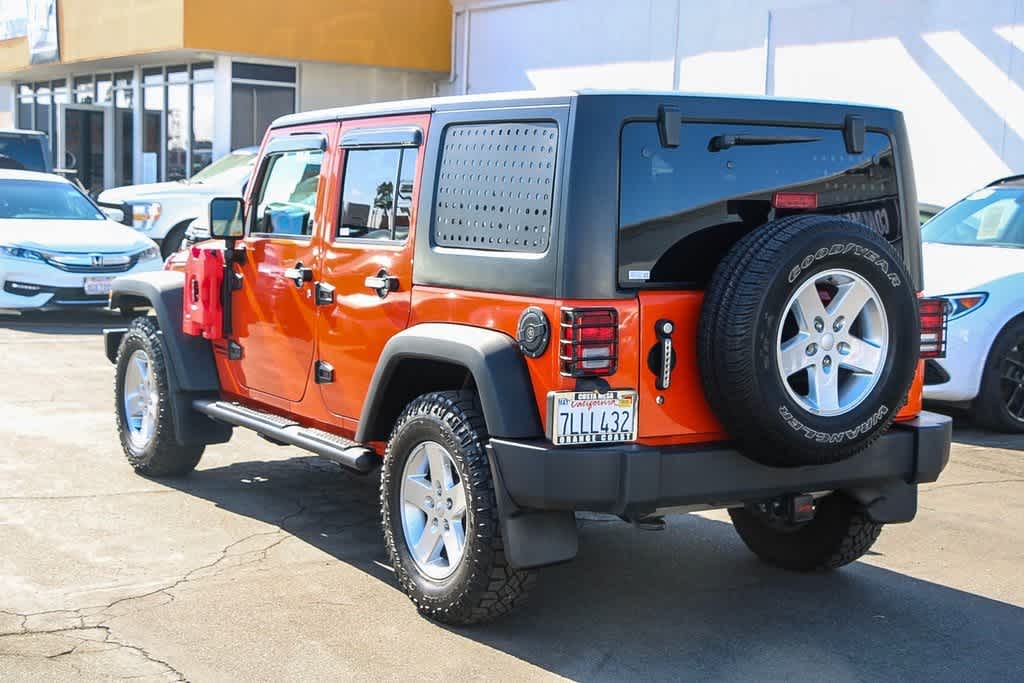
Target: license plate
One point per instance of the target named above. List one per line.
(95, 286)
(579, 417)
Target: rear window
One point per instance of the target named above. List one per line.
(724, 176)
(23, 153)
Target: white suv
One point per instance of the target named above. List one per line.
(163, 211)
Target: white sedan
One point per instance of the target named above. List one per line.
(57, 249)
(974, 258)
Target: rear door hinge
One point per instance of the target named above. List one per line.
(324, 373)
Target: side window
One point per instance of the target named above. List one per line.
(286, 201)
(376, 196)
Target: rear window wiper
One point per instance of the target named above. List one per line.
(720, 142)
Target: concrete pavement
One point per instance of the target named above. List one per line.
(267, 564)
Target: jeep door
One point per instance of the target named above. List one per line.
(274, 313)
(368, 254)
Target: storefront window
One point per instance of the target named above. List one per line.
(254, 107)
(152, 135)
(103, 89)
(177, 131)
(85, 92)
(202, 125)
(124, 127)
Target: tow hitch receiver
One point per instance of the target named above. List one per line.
(794, 509)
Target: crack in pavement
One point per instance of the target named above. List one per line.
(99, 616)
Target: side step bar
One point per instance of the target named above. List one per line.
(349, 454)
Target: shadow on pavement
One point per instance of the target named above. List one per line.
(81, 322)
(688, 602)
(986, 439)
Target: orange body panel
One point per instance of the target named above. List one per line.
(685, 412)
(355, 329)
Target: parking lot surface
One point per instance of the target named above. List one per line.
(267, 564)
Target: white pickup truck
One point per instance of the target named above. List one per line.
(163, 211)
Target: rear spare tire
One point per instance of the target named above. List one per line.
(808, 340)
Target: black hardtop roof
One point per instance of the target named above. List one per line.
(502, 100)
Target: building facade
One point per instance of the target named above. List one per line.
(156, 90)
(956, 69)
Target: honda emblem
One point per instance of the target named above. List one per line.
(97, 260)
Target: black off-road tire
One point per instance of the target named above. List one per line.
(162, 456)
(991, 408)
(483, 586)
(742, 311)
(839, 534)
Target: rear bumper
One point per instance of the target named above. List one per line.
(630, 479)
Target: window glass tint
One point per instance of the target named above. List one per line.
(39, 199)
(670, 197)
(990, 217)
(263, 72)
(403, 199)
(287, 196)
(22, 153)
(371, 208)
(253, 108)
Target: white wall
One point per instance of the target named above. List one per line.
(955, 67)
(323, 85)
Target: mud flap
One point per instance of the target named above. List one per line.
(533, 538)
(893, 502)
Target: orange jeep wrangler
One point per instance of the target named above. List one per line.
(523, 306)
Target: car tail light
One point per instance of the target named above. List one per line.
(589, 342)
(933, 328)
(795, 200)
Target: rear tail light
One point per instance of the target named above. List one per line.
(795, 200)
(933, 328)
(589, 342)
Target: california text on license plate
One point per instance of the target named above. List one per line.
(578, 417)
(95, 286)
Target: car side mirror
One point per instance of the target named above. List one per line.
(114, 214)
(226, 218)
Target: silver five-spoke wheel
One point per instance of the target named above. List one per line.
(832, 342)
(433, 510)
(141, 400)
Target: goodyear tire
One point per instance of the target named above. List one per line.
(839, 534)
(808, 340)
(142, 401)
(439, 513)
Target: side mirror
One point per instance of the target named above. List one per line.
(226, 218)
(116, 215)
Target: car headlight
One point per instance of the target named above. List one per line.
(150, 253)
(145, 215)
(22, 253)
(959, 305)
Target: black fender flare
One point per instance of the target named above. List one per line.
(192, 372)
(491, 357)
(191, 357)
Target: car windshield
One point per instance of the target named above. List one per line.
(234, 162)
(992, 217)
(45, 199)
(22, 152)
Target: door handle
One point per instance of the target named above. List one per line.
(300, 275)
(382, 283)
